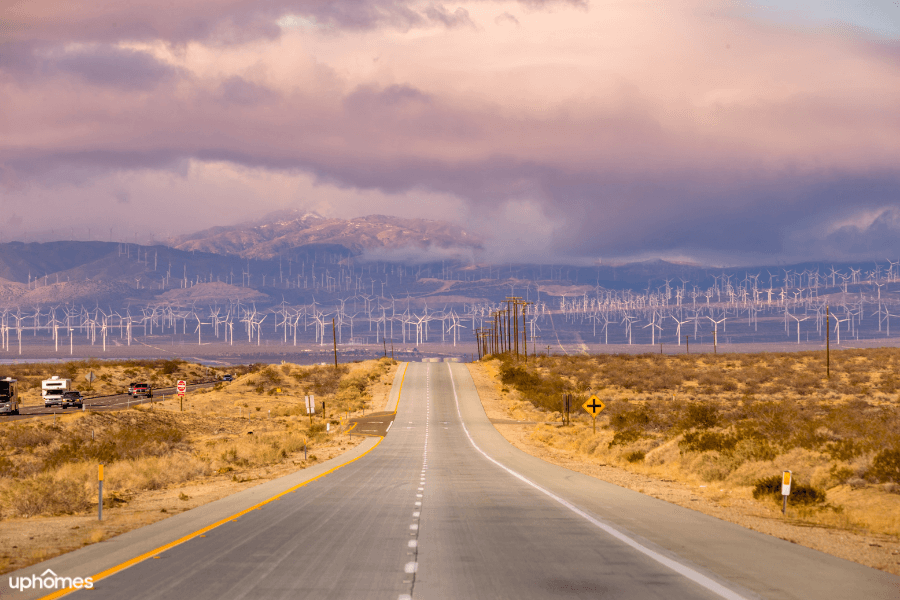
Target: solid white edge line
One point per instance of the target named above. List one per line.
(676, 566)
(389, 427)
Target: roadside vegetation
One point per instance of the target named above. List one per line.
(736, 421)
(237, 431)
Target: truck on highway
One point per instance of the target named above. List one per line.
(9, 396)
(72, 398)
(141, 389)
(52, 390)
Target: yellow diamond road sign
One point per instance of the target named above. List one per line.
(594, 405)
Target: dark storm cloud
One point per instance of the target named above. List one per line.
(881, 236)
(115, 67)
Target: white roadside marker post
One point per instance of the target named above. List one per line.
(785, 489)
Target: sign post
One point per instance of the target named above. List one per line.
(594, 405)
(181, 387)
(785, 489)
(310, 406)
(90, 379)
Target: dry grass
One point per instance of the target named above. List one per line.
(735, 421)
(49, 467)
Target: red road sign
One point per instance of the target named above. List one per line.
(181, 387)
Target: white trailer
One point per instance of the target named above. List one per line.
(52, 390)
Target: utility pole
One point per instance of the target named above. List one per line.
(508, 313)
(497, 339)
(516, 325)
(334, 338)
(525, 330)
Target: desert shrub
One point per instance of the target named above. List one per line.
(119, 443)
(806, 495)
(754, 449)
(773, 420)
(355, 382)
(805, 383)
(543, 391)
(321, 380)
(707, 441)
(169, 367)
(637, 418)
(7, 467)
(712, 377)
(889, 384)
(519, 377)
(270, 376)
(769, 488)
(45, 495)
(30, 436)
(641, 373)
(636, 456)
(857, 379)
(700, 416)
(730, 385)
(626, 436)
(886, 466)
(844, 449)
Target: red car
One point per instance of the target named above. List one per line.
(141, 389)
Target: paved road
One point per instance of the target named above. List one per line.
(444, 508)
(117, 402)
(377, 423)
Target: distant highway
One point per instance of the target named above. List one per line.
(444, 508)
(116, 402)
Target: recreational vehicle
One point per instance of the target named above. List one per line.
(52, 390)
(9, 396)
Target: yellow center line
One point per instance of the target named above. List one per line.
(400, 391)
(201, 532)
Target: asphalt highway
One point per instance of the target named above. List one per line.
(444, 508)
(116, 402)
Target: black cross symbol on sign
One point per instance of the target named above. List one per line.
(593, 405)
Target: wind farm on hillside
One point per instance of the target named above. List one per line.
(328, 300)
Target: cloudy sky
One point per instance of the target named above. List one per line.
(720, 131)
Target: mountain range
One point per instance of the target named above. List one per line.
(301, 257)
(284, 233)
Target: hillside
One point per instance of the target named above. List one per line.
(285, 233)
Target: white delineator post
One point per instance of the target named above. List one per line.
(785, 489)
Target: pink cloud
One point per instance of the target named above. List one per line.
(619, 122)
